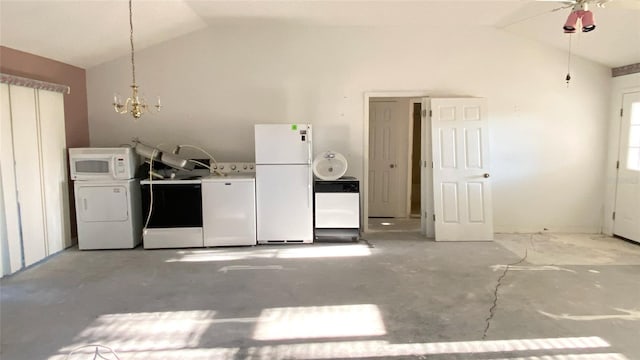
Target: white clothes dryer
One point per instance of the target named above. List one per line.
(108, 214)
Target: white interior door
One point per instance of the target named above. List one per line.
(388, 161)
(28, 175)
(461, 179)
(627, 209)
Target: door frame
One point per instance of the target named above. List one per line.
(620, 158)
(365, 154)
(412, 102)
(611, 174)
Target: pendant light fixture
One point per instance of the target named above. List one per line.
(134, 105)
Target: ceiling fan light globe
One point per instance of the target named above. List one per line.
(588, 22)
(570, 24)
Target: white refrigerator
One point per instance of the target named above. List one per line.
(284, 180)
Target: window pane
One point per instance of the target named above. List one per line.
(634, 136)
(635, 113)
(633, 160)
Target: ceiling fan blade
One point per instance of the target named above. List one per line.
(536, 15)
(626, 4)
(566, 2)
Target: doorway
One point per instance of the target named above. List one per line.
(454, 160)
(394, 176)
(626, 216)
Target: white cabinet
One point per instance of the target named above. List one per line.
(35, 206)
(229, 210)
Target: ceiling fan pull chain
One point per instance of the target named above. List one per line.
(568, 77)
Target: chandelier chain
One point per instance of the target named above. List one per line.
(134, 105)
(133, 64)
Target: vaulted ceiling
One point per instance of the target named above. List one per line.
(87, 33)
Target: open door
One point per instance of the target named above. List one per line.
(627, 209)
(461, 177)
(388, 162)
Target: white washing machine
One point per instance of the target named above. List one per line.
(229, 210)
(109, 214)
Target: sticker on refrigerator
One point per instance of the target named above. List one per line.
(294, 127)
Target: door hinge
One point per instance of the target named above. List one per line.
(430, 113)
(613, 217)
(424, 112)
(621, 112)
(425, 163)
(432, 164)
(618, 164)
(434, 217)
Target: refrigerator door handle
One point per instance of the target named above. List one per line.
(309, 189)
(310, 158)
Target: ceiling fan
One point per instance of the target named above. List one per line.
(580, 11)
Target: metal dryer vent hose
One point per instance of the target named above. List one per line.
(147, 151)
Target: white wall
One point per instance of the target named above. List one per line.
(620, 85)
(548, 141)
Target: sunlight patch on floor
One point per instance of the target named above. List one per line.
(179, 354)
(364, 349)
(563, 249)
(319, 322)
(146, 331)
(286, 252)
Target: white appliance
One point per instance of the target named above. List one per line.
(103, 163)
(337, 209)
(176, 213)
(229, 210)
(284, 196)
(109, 214)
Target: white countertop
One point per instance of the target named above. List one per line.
(208, 178)
(170, 181)
(230, 177)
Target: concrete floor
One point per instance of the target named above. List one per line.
(391, 296)
(411, 224)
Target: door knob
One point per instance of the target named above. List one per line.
(486, 175)
(392, 166)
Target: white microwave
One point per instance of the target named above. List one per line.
(103, 163)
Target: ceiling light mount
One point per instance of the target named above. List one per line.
(134, 105)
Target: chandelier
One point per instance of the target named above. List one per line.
(135, 105)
